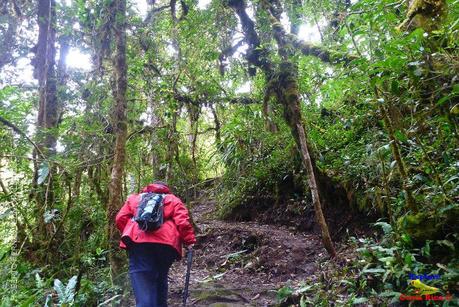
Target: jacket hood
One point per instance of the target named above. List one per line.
(156, 188)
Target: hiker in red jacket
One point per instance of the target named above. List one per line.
(151, 253)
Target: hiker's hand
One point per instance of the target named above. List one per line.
(188, 247)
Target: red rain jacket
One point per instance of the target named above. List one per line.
(175, 229)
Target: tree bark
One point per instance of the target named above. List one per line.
(218, 134)
(172, 147)
(120, 129)
(270, 125)
(194, 111)
(47, 121)
(57, 236)
(154, 122)
(288, 95)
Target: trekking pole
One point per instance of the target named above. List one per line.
(189, 257)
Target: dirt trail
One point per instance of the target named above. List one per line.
(243, 263)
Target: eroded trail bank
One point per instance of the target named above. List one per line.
(244, 263)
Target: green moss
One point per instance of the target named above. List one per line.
(421, 227)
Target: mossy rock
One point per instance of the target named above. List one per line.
(216, 296)
(421, 227)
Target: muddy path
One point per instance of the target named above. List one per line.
(243, 263)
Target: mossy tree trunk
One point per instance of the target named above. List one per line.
(56, 236)
(47, 120)
(285, 86)
(194, 112)
(288, 95)
(172, 146)
(120, 129)
(218, 135)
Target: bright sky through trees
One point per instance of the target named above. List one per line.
(77, 59)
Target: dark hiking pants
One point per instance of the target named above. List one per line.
(149, 265)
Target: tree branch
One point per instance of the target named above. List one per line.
(308, 49)
(227, 52)
(20, 132)
(256, 55)
(152, 12)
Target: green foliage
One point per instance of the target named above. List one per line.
(270, 174)
(400, 92)
(65, 294)
(380, 271)
(43, 172)
(284, 293)
(386, 263)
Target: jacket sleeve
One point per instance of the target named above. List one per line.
(123, 216)
(182, 220)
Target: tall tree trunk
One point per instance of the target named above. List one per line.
(193, 116)
(270, 125)
(154, 123)
(56, 238)
(120, 128)
(47, 121)
(62, 66)
(172, 147)
(288, 95)
(218, 135)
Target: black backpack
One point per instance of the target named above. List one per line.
(150, 211)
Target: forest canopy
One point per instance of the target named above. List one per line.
(332, 118)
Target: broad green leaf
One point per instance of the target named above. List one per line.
(373, 271)
(400, 136)
(447, 208)
(6, 214)
(59, 287)
(386, 259)
(360, 300)
(303, 302)
(43, 172)
(29, 302)
(455, 109)
(444, 99)
(408, 259)
(406, 238)
(304, 289)
(447, 243)
(70, 289)
(283, 293)
(387, 228)
(389, 294)
(39, 281)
